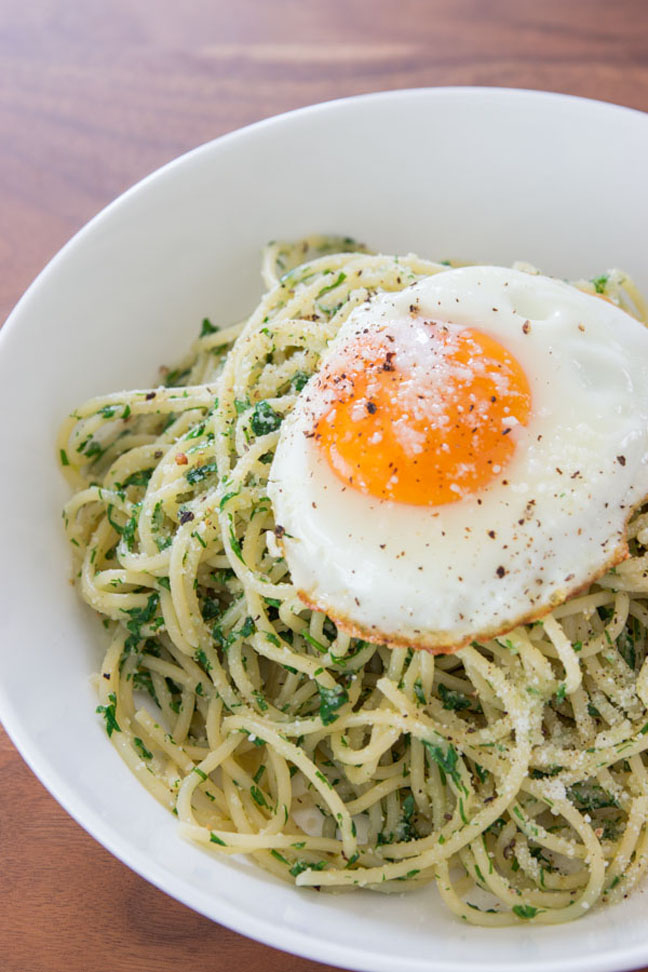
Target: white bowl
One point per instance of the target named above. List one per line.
(488, 175)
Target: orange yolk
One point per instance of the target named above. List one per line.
(427, 426)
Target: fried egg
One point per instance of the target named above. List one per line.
(465, 458)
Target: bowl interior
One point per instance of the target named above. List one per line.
(488, 176)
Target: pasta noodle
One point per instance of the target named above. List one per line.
(511, 773)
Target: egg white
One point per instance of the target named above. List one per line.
(438, 577)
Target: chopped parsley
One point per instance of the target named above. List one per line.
(315, 643)
(227, 497)
(141, 748)
(452, 699)
(258, 797)
(525, 911)
(299, 380)
(405, 829)
(300, 866)
(265, 419)
(139, 617)
(330, 701)
(247, 628)
(418, 691)
(235, 543)
(446, 759)
(210, 609)
(176, 377)
(626, 642)
(207, 327)
(139, 478)
(196, 432)
(108, 712)
(481, 773)
(143, 680)
(92, 449)
(586, 795)
(198, 473)
(202, 659)
(128, 532)
(157, 522)
(336, 283)
(108, 411)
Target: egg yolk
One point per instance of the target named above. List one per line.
(426, 417)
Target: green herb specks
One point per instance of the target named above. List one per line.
(264, 419)
(108, 712)
(198, 473)
(141, 748)
(330, 701)
(453, 700)
(341, 277)
(525, 911)
(207, 328)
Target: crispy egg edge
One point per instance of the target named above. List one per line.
(438, 642)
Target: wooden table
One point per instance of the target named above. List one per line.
(94, 95)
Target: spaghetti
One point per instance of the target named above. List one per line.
(511, 773)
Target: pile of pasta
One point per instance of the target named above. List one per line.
(512, 773)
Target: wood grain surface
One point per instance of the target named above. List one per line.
(93, 96)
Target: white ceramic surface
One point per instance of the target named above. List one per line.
(488, 175)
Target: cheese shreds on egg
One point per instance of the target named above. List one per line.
(466, 457)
